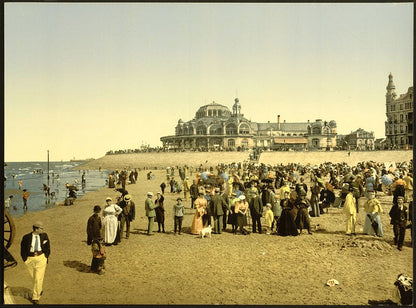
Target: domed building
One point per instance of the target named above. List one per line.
(215, 127)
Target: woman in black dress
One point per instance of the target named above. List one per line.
(287, 225)
(160, 211)
(302, 219)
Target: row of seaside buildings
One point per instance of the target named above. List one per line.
(215, 127)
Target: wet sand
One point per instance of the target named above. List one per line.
(225, 269)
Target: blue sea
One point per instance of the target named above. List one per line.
(34, 174)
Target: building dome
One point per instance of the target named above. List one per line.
(180, 121)
(236, 107)
(212, 110)
(332, 123)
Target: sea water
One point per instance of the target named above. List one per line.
(34, 174)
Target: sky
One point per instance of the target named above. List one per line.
(85, 78)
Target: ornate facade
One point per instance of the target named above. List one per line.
(215, 127)
(360, 140)
(399, 112)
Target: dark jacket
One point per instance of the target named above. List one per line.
(129, 211)
(93, 228)
(256, 207)
(216, 205)
(27, 242)
(327, 196)
(194, 191)
(398, 217)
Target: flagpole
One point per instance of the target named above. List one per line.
(48, 168)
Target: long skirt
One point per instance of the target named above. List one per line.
(197, 224)
(241, 220)
(368, 228)
(287, 225)
(97, 264)
(302, 219)
(232, 219)
(160, 215)
(110, 223)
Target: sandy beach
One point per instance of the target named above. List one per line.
(225, 269)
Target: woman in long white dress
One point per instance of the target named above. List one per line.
(373, 210)
(110, 221)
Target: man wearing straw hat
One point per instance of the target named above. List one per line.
(127, 215)
(150, 212)
(35, 250)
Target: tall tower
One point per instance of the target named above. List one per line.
(236, 107)
(391, 90)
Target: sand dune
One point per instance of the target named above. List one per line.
(162, 160)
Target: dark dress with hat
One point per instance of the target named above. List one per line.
(287, 225)
(302, 219)
(160, 210)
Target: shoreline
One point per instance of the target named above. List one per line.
(167, 269)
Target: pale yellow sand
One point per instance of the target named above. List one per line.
(226, 269)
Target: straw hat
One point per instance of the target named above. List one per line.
(38, 224)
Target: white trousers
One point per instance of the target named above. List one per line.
(36, 267)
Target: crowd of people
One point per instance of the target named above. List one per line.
(258, 198)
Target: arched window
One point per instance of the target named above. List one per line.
(231, 129)
(215, 130)
(244, 143)
(231, 142)
(190, 130)
(316, 130)
(201, 130)
(244, 129)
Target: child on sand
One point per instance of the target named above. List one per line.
(269, 217)
(98, 257)
(179, 210)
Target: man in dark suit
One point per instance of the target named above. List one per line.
(35, 251)
(216, 206)
(398, 214)
(128, 214)
(256, 211)
(194, 193)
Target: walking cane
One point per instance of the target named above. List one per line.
(249, 219)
